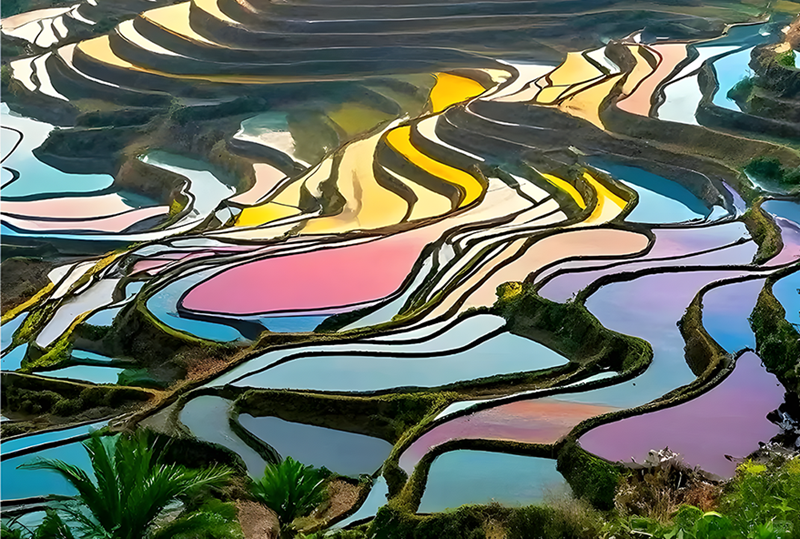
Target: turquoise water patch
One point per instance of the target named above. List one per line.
(660, 200)
(15, 483)
(730, 70)
(787, 292)
(726, 310)
(37, 179)
(464, 476)
(9, 328)
(87, 373)
(12, 360)
(292, 324)
(15, 444)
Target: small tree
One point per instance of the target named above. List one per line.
(131, 489)
(292, 490)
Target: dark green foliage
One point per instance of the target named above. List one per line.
(569, 328)
(466, 522)
(52, 527)
(785, 59)
(131, 489)
(291, 489)
(138, 377)
(777, 341)
(740, 92)
(591, 478)
(543, 521)
(770, 169)
(760, 494)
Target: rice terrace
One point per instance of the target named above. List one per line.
(405, 269)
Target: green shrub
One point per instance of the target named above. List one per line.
(760, 494)
(292, 490)
(770, 170)
(785, 59)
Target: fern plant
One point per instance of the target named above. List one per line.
(292, 490)
(130, 490)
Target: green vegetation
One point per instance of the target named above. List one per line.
(591, 478)
(777, 341)
(132, 490)
(764, 231)
(569, 328)
(292, 490)
(785, 58)
(770, 170)
(34, 395)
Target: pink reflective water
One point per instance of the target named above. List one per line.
(538, 421)
(790, 234)
(728, 420)
(314, 280)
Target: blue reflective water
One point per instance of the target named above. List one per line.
(787, 291)
(464, 476)
(730, 70)
(292, 324)
(36, 178)
(725, 314)
(103, 317)
(9, 328)
(207, 418)
(12, 360)
(163, 305)
(16, 444)
(660, 200)
(87, 373)
(90, 356)
(15, 483)
(783, 208)
(342, 452)
(503, 354)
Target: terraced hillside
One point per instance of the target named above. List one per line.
(469, 251)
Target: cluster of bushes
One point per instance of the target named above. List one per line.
(770, 169)
(34, 396)
(777, 340)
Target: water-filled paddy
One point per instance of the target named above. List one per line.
(503, 354)
(342, 452)
(726, 310)
(730, 419)
(207, 419)
(787, 292)
(15, 484)
(464, 476)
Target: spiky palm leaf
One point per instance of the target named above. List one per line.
(291, 489)
(131, 487)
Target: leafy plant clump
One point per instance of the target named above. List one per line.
(132, 493)
(292, 490)
(770, 170)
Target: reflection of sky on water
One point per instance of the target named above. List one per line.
(725, 314)
(36, 178)
(648, 307)
(730, 419)
(464, 476)
(503, 354)
(342, 452)
(787, 291)
(660, 200)
(730, 70)
(16, 483)
(207, 418)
